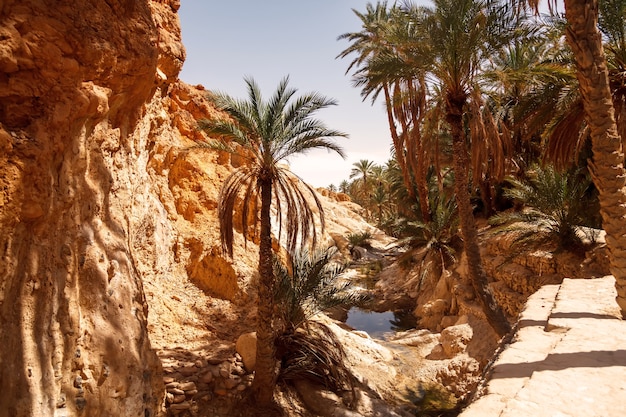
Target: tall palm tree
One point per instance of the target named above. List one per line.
(464, 34)
(344, 187)
(264, 133)
(607, 167)
(526, 80)
(374, 48)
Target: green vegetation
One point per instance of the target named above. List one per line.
(265, 133)
(487, 109)
(554, 206)
(308, 349)
(309, 284)
(436, 401)
(480, 88)
(360, 238)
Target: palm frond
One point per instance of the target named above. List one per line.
(554, 205)
(309, 284)
(315, 353)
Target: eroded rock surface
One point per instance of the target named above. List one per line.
(80, 95)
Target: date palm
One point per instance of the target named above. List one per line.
(528, 83)
(404, 95)
(362, 171)
(265, 133)
(607, 167)
(308, 349)
(463, 35)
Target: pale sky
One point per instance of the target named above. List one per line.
(227, 40)
(269, 39)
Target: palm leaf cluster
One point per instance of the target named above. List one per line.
(314, 353)
(308, 349)
(554, 206)
(514, 73)
(310, 284)
(265, 134)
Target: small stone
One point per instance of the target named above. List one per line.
(186, 386)
(241, 387)
(191, 393)
(168, 380)
(215, 370)
(178, 399)
(214, 361)
(171, 385)
(238, 370)
(188, 370)
(199, 364)
(180, 406)
(232, 382)
(225, 369)
(221, 391)
(169, 398)
(207, 378)
(176, 391)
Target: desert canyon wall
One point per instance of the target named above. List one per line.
(83, 103)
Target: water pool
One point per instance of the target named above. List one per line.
(378, 324)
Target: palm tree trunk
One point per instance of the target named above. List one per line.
(417, 151)
(398, 143)
(607, 168)
(265, 371)
(477, 276)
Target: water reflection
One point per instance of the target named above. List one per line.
(378, 324)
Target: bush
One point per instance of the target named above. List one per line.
(360, 239)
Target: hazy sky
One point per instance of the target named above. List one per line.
(227, 40)
(269, 39)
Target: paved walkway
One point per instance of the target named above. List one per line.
(568, 358)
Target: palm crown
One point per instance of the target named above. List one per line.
(268, 133)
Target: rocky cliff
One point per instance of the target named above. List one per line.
(109, 241)
(82, 87)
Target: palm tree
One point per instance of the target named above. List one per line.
(607, 167)
(554, 206)
(344, 187)
(362, 171)
(403, 92)
(528, 81)
(463, 35)
(308, 349)
(264, 133)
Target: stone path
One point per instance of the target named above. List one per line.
(568, 358)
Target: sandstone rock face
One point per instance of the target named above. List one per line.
(80, 86)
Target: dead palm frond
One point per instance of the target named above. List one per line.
(314, 353)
